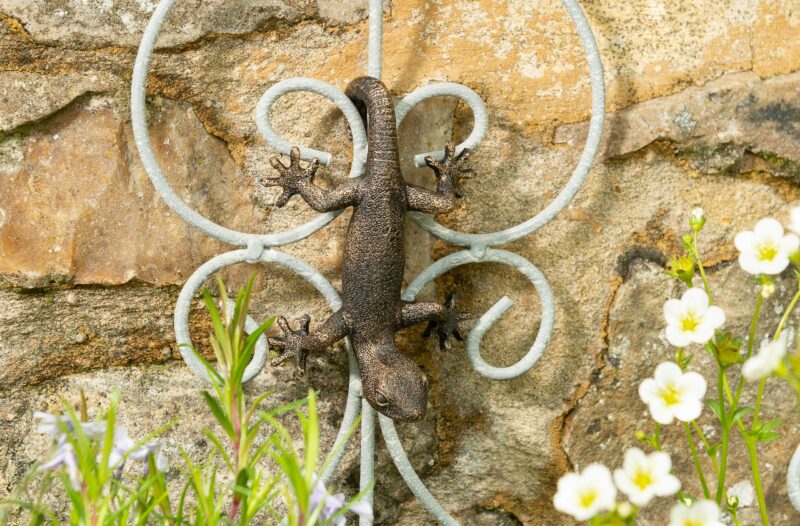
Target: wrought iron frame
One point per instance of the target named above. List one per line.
(478, 247)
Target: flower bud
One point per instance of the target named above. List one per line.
(697, 219)
(624, 509)
(767, 289)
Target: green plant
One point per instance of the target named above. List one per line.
(90, 461)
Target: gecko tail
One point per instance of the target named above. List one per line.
(377, 109)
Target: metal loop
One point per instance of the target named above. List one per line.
(491, 316)
(227, 259)
(447, 89)
(579, 174)
(793, 479)
(412, 480)
(333, 94)
(151, 166)
(196, 280)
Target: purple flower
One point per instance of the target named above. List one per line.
(55, 427)
(333, 503)
(124, 445)
(153, 449)
(65, 456)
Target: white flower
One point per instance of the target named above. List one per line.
(794, 222)
(673, 394)
(767, 360)
(697, 219)
(691, 319)
(586, 494)
(701, 513)
(766, 249)
(643, 477)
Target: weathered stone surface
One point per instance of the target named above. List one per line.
(705, 106)
(78, 207)
(736, 123)
(607, 415)
(98, 23)
(27, 97)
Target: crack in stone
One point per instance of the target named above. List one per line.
(561, 426)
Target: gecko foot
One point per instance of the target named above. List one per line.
(450, 170)
(292, 343)
(291, 177)
(448, 327)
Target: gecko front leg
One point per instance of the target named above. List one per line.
(298, 343)
(449, 172)
(441, 317)
(294, 179)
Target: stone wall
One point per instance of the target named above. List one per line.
(703, 110)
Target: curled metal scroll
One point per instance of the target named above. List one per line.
(493, 314)
(478, 245)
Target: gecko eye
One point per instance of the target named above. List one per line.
(381, 399)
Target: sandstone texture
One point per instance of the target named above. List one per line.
(703, 110)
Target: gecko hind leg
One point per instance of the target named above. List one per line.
(442, 319)
(297, 343)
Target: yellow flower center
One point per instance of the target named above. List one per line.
(642, 479)
(689, 323)
(588, 497)
(767, 251)
(692, 522)
(670, 395)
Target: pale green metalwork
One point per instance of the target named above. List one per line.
(259, 247)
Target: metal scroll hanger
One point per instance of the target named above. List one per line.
(478, 248)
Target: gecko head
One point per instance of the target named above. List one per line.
(396, 387)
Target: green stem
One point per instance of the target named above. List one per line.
(762, 502)
(750, 340)
(786, 314)
(657, 437)
(759, 396)
(707, 446)
(698, 468)
(723, 458)
(702, 270)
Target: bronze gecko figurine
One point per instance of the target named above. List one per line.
(372, 268)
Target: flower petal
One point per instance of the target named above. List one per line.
(692, 385)
(790, 243)
(702, 333)
(689, 410)
(667, 485)
(673, 311)
(745, 241)
(362, 509)
(776, 265)
(661, 413)
(695, 299)
(714, 316)
(750, 263)
(768, 229)
(754, 368)
(667, 373)
(677, 336)
(648, 390)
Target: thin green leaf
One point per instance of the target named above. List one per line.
(219, 414)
